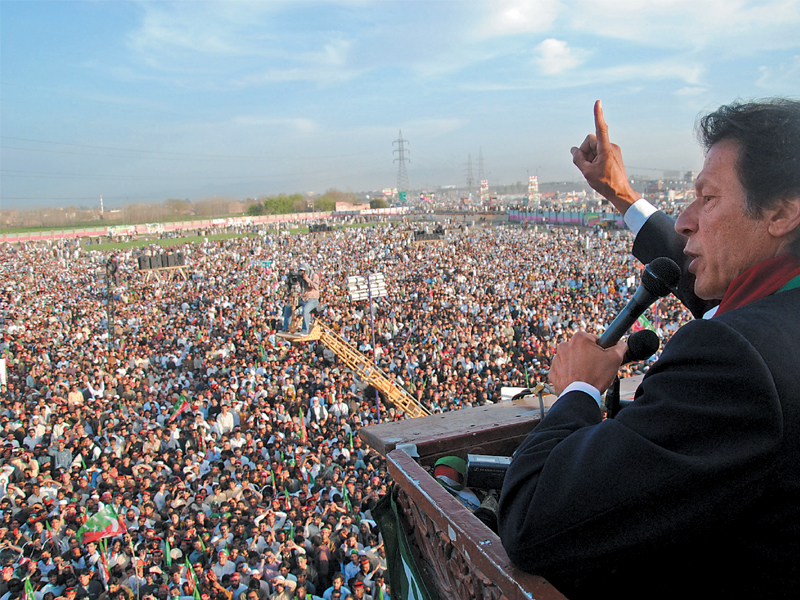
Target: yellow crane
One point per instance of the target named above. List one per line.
(366, 371)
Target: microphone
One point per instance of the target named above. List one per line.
(659, 278)
(641, 346)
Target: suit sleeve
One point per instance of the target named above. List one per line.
(686, 452)
(658, 238)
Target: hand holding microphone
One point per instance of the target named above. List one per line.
(595, 360)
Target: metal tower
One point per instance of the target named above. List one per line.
(402, 174)
(470, 178)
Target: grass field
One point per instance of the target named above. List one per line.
(195, 239)
(163, 243)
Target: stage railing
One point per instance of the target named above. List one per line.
(457, 554)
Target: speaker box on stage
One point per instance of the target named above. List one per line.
(181, 259)
(172, 260)
(155, 261)
(144, 263)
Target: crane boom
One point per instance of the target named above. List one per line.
(366, 370)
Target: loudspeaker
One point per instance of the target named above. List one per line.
(155, 261)
(144, 263)
(181, 259)
(172, 260)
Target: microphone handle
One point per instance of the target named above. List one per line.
(627, 317)
(612, 399)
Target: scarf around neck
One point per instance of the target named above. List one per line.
(761, 280)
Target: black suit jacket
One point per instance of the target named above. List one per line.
(691, 492)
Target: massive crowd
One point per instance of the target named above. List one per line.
(229, 454)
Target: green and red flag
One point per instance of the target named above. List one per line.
(104, 574)
(104, 523)
(29, 595)
(181, 405)
(303, 431)
(190, 578)
(642, 323)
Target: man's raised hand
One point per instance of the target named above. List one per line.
(600, 162)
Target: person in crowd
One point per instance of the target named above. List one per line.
(309, 282)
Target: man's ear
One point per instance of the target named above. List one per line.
(784, 220)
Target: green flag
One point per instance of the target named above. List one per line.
(104, 523)
(405, 578)
(642, 323)
(190, 577)
(181, 405)
(347, 502)
(29, 595)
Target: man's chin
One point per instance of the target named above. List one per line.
(702, 292)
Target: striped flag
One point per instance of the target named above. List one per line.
(181, 405)
(642, 323)
(405, 578)
(104, 574)
(104, 523)
(190, 578)
(303, 431)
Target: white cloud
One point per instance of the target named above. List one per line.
(195, 28)
(555, 56)
(726, 27)
(679, 69)
(328, 65)
(520, 16)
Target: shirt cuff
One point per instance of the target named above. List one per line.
(638, 213)
(582, 386)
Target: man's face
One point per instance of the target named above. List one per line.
(723, 240)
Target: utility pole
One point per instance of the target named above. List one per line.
(402, 174)
(111, 282)
(470, 178)
(480, 165)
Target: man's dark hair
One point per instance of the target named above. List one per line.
(768, 133)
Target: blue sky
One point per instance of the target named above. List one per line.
(149, 100)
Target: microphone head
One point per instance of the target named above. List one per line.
(642, 345)
(661, 276)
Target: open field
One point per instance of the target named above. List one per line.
(141, 243)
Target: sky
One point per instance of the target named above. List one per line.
(145, 101)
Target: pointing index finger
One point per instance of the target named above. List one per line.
(601, 128)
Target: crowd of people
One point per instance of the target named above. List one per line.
(230, 455)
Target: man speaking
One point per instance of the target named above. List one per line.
(693, 491)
